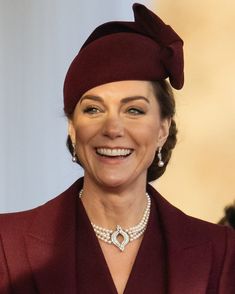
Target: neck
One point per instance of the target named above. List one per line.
(111, 207)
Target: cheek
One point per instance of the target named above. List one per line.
(82, 139)
(80, 129)
(147, 134)
(85, 132)
(80, 135)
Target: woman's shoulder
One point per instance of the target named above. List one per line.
(179, 223)
(20, 221)
(16, 222)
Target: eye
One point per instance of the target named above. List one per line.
(135, 111)
(92, 110)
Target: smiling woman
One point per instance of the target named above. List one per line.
(111, 232)
(166, 104)
(117, 117)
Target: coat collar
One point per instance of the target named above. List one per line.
(189, 252)
(51, 240)
(50, 244)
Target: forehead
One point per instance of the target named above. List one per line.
(122, 89)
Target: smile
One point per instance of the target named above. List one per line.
(113, 152)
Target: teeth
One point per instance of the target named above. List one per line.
(113, 152)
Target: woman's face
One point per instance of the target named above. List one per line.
(117, 129)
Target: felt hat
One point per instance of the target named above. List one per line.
(143, 49)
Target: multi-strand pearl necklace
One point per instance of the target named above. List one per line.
(128, 235)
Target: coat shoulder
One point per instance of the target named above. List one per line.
(19, 222)
(179, 223)
(16, 221)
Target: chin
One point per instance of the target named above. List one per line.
(113, 182)
(123, 181)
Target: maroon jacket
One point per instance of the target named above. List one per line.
(38, 248)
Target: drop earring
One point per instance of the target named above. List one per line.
(74, 156)
(159, 155)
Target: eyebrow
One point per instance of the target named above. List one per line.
(123, 101)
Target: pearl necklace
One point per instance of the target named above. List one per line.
(128, 235)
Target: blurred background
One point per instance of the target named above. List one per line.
(39, 39)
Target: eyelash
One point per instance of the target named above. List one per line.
(92, 110)
(95, 110)
(135, 111)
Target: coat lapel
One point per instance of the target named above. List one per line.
(189, 254)
(50, 245)
(189, 269)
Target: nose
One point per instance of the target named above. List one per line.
(113, 127)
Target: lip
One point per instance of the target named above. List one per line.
(113, 147)
(113, 159)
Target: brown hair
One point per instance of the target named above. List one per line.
(229, 216)
(166, 101)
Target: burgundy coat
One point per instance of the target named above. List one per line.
(38, 248)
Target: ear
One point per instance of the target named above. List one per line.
(71, 131)
(164, 131)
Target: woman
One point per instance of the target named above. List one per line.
(111, 232)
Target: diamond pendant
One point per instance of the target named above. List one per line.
(119, 232)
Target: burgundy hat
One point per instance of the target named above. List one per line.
(145, 49)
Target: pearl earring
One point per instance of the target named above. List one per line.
(74, 156)
(159, 155)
